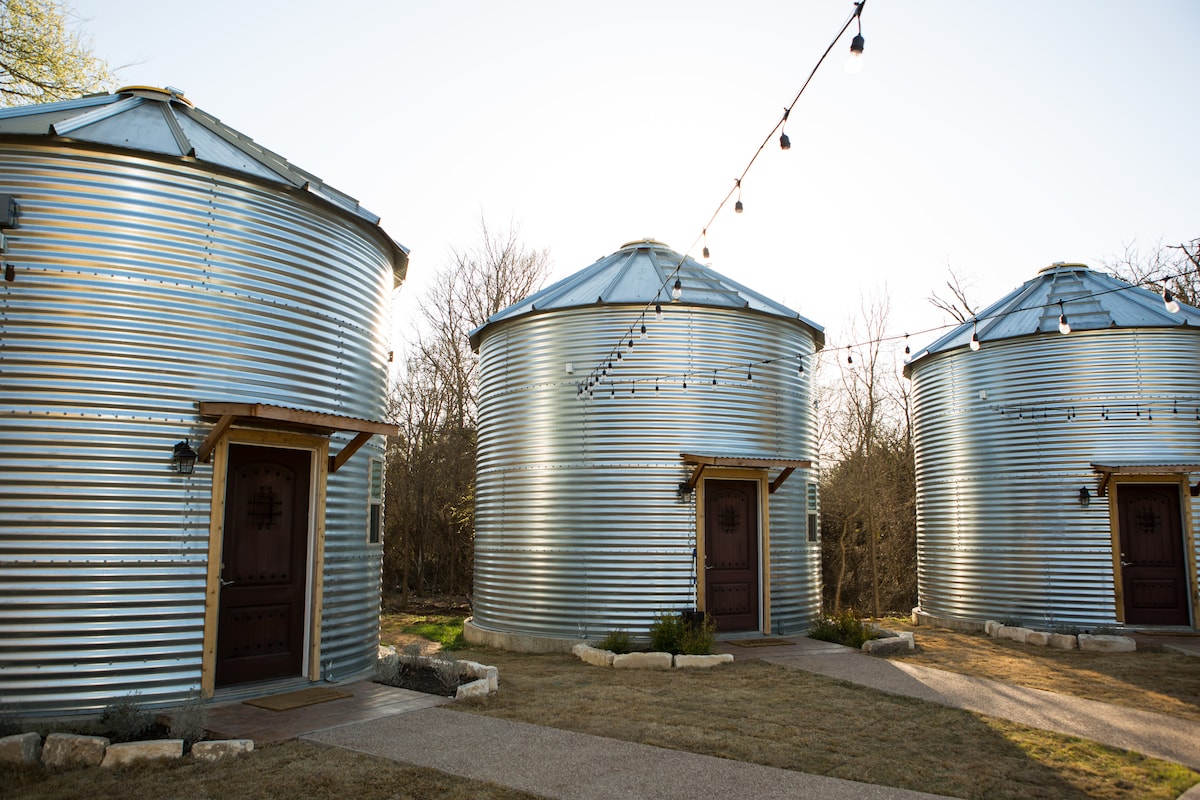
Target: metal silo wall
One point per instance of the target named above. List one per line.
(141, 287)
(579, 527)
(1000, 531)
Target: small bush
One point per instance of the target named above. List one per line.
(409, 659)
(188, 721)
(617, 641)
(671, 633)
(447, 671)
(843, 628)
(126, 720)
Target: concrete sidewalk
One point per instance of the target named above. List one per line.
(575, 766)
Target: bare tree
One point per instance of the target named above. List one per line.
(42, 58)
(957, 305)
(868, 490)
(1173, 268)
(430, 525)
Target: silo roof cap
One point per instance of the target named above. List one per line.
(164, 122)
(640, 273)
(1090, 300)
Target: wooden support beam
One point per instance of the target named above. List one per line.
(335, 462)
(780, 478)
(213, 437)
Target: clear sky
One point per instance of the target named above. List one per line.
(992, 137)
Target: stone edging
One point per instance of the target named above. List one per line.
(889, 642)
(664, 661)
(487, 679)
(74, 751)
(1062, 641)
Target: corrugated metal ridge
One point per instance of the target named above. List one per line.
(1091, 301)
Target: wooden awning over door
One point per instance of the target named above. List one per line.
(785, 466)
(1107, 471)
(264, 415)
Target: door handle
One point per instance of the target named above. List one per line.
(1126, 563)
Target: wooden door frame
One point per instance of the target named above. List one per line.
(760, 477)
(1189, 537)
(318, 447)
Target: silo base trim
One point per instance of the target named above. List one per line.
(515, 642)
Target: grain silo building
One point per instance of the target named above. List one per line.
(1056, 472)
(193, 363)
(624, 474)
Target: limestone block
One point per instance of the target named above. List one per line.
(387, 664)
(991, 627)
(890, 644)
(118, 755)
(472, 669)
(592, 655)
(221, 748)
(703, 662)
(1063, 641)
(21, 748)
(69, 751)
(642, 661)
(1106, 644)
(477, 688)
(1017, 634)
(1039, 638)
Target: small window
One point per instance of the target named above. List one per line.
(813, 521)
(812, 497)
(812, 527)
(375, 502)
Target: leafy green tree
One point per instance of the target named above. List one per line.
(42, 58)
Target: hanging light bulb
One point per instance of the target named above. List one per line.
(784, 142)
(685, 384)
(676, 291)
(629, 345)
(643, 329)
(737, 207)
(658, 312)
(1170, 302)
(907, 349)
(801, 358)
(714, 377)
(975, 341)
(704, 236)
(749, 375)
(854, 64)
(1064, 327)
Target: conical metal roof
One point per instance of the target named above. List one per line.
(641, 273)
(164, 122)
(1090, 300)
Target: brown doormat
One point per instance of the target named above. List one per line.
(759, 642)
(304, 697)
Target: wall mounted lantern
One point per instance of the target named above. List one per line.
(183, 459)
(1085, 497)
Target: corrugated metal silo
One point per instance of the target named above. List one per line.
(1054, 471)
(168, 280)
(582, 526)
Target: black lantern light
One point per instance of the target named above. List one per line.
(183, 459)
(1085, 497)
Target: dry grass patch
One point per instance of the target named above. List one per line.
(295, 770)
(1168, 683)
(767, 714)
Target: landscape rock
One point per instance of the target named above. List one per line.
(702, 662)
(477, 688)
(1017, 634)
(889, 644)
(71, 751)
(593, 655)
(387, 664)
(1106, 644)
(221, 748)
(642, 661)
(21, 748)
(991, 627)
(1063, 641)
(123, 753)
(1039, 638)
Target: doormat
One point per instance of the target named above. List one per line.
(759, 642)
(304, 697)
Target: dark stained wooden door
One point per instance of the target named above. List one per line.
(1153, 568)
(731, 588)
(260, 628)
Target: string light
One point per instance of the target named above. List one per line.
(784, 142)
(907, 349)
(854, 65)
(676, 291)
(1064, 327)
(658, 312)
(738, 207)
(975, 337)
(1170, 302)
(704, 235)
(800, 357)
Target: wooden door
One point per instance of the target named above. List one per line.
(260, 628)
(1153, 568)
(731, 563)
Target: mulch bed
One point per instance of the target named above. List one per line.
(427, 680)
